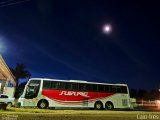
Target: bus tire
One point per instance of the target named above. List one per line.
(42, 104)
(109, 105)
(98, 105)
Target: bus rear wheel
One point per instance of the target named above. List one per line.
(109, 106)
(98, 106)
(42, 104)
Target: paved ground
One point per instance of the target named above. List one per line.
(37, 114)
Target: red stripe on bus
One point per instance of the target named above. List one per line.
(74, 96)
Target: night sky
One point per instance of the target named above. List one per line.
(63, 39)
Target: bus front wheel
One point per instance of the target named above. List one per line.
(42, 104)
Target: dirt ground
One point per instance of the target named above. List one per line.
(37, 114)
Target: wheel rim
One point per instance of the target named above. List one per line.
(98, 106)
(43, 105)
(109, 106)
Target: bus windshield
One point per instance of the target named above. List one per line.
(32, 89)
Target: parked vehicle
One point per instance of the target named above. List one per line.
(3, 106)
(6, 99)
(44, 93)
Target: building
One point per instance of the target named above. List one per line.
(7, 79)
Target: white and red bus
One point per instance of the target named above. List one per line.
(45, 93)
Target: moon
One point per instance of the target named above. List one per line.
(107, 29)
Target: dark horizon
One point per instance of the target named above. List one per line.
(64, 40)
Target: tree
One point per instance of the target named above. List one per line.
(155, 95)
(20, 72)
(21, 89)
(143, 94)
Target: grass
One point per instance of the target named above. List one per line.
(41, 114)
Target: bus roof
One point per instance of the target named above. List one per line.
(77, 81)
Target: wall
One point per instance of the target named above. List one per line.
(9, 91)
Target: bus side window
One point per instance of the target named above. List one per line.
(68, 86)
(95, 87)
(89, 87)
(75, 86)
(54, 85)
(46, 84)
(118, 89)
(113, 89)
(61, 85)
(124, 89)
(101, 88)
(107, 88)
(82, 87)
